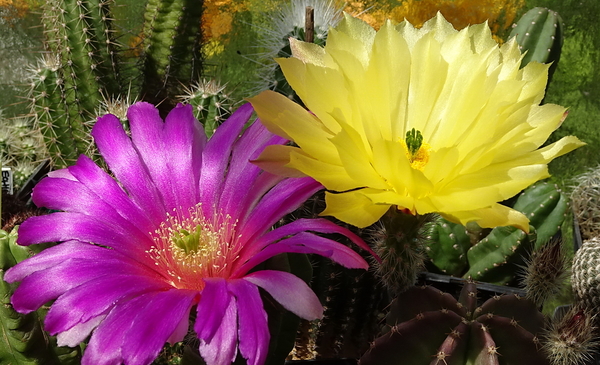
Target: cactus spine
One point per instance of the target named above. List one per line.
(429, 326)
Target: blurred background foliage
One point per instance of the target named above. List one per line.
(231, 29)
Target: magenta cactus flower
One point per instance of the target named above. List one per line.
(178, 228)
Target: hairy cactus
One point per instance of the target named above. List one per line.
(545, 273)
(496, 255)
(400, 243)
(427, 326)
(539, 32)
(212, 104)
(571, 338)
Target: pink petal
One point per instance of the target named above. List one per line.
(253, 324)
(217, 152)
(128, 166)
(290, 291)
(222, 348)
(211, 308)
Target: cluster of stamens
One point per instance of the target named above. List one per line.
(189, 247)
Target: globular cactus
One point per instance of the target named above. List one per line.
(212, 104)
(427, 326)
(539, 32)
(585, 278)
(585, 197)
(496, 255)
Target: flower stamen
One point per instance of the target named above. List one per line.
(190, 248)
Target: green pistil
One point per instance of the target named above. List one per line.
(414, 140)
(186, 240)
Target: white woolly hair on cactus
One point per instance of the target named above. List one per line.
(283, 23)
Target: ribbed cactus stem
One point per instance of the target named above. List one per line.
(426, 325)
(400, 243)
(539, 32)
(585, 277)
(171, 44)
(65, 136)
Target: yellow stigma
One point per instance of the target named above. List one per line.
(417, 151)
(188, 248)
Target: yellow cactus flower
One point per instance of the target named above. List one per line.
(428, 120)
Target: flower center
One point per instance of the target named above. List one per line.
(189, 248)
(417, 151)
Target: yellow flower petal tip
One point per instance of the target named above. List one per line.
(430, 119)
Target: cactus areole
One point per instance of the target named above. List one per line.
(427, 326)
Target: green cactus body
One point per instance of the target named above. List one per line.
(427, 326)
(546, 207)
(212, 105)
(496, 258)
(171, 43)
(497, 255)
(539, 32)
(448, 246)
(65, 136)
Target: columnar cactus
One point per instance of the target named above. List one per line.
(427, 326)
(539, 32)
(172, 41)
(496, 256)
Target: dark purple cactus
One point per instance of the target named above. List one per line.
(427, 326)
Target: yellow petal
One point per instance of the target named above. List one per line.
(494, 216)
(354, 208)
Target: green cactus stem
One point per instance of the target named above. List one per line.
(447, 247)
(427, 326)
(497, 258)
(546, 207)
(497, 255)
(79, 70)
(171, 45)
(539, 32)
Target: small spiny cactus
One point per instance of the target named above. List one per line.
(212, 104)
(585, 197)
(571, 338)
